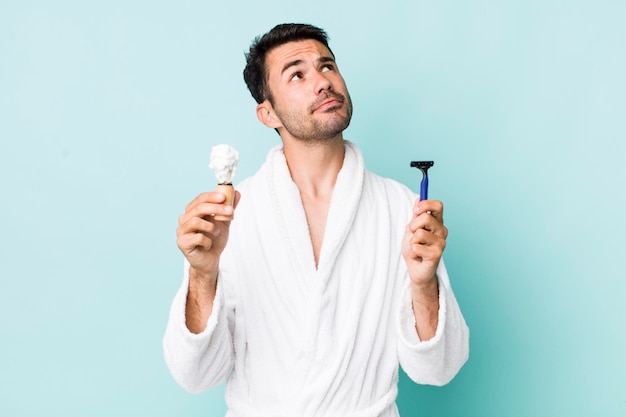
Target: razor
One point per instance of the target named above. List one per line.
(423, 166)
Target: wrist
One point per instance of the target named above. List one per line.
(425, 290)
(202, 282)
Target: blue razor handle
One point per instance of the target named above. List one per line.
(423, 166)
(424, 188)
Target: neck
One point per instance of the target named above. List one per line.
(314, 166)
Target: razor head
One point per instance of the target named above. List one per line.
(422, 164)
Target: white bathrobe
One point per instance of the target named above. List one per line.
(293, 340)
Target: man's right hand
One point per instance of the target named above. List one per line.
(202, 240)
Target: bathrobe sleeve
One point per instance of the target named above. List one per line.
(438, 360)
(199, 361)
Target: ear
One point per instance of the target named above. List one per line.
(266, 115)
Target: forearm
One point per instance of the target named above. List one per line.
(437, 360)
(201, 360)
(200, 297)
(425, 303)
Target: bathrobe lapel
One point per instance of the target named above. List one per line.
(291, 218)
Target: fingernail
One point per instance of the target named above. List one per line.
(228, 209)
(216, 232)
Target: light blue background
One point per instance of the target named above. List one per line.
(108, 111)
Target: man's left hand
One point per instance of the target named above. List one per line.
(424, 242)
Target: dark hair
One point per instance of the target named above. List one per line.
(255, 74)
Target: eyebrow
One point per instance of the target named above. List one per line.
(297, 62)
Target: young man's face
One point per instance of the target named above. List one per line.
(309, 96)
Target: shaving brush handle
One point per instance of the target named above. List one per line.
(229, 191)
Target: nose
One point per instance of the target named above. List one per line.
(322, 83)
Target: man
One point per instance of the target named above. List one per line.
(328, 277)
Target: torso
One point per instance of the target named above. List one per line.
(316, 211)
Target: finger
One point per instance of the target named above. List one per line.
(431, 207)
(206, 211)
(427, 247)
(206, 197)
(237, 198)
(428, 223)
(198, 225)
(426, 238)
(223, 209)
(189, 242)
(422, 253)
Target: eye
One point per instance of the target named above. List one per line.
(296, 76)
(328, 67)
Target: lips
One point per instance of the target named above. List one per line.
(327, 101)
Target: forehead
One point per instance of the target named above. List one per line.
(292, 51)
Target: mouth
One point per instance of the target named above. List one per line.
(330, 102)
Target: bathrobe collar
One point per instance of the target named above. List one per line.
(291, 217)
